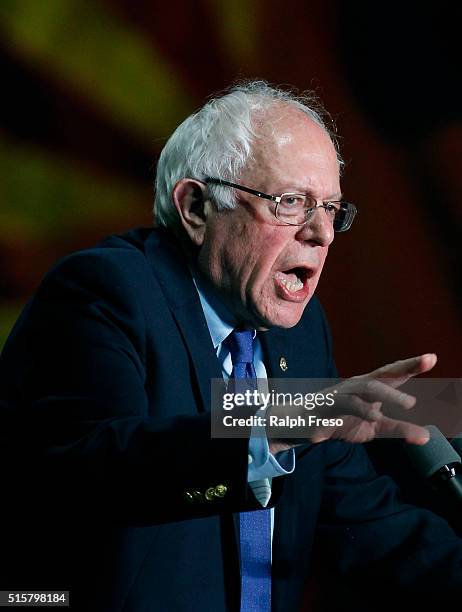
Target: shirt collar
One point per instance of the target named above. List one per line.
(219, 320)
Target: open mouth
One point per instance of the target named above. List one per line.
(294, 281)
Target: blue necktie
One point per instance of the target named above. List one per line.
(255, 527)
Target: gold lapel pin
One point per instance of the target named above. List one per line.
(283, 364)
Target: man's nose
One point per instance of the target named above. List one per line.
(319, 228)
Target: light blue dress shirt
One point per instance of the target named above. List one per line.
(220, 322)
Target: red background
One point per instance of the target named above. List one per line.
(91, 90)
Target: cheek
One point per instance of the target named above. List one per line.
(252, 251)
(322, 260)
(262, 259)
(231, 254)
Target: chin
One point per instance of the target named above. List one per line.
(283, 320)
(288, 323)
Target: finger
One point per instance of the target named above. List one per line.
(352, 403)
(406, 368)
(358, 431)
(362, 395)
(378, 391)
(393, 428)
(354, 430)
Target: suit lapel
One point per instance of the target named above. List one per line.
(276, 353)
(171, 270)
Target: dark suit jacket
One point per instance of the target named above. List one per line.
(105, 425)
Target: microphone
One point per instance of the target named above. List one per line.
(457, 444)
(438, 463)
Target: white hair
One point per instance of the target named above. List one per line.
(217, 142)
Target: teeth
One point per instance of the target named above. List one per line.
(289, 285)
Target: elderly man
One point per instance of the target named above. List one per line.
(117, 492)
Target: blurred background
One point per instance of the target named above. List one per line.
(91, 89)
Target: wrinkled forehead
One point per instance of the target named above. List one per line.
(287, 135)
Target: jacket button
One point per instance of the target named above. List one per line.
(198, 496)
(188, 496)
(221, 490)
(210, 494)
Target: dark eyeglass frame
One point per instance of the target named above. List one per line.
(349, 210)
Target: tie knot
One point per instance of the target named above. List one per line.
(241, 346)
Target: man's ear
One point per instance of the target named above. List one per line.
(190, 200)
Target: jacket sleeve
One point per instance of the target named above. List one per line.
(380, 544)
(74, 408)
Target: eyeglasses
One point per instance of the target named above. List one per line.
(297, 208)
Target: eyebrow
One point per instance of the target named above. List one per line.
(335, 197)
